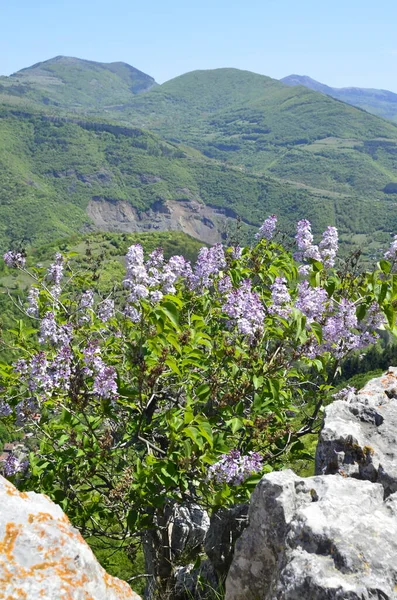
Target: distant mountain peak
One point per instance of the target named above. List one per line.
(382, 103)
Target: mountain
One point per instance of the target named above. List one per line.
(75, 84)
(63, 175)
(192, 155)
(379, 102)
(259, 124)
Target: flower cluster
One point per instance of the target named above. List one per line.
(210, 262)
(13, 465)
(267, 229)
(152, 279)
(304, 241)
(55, 274)
(329, 247)
(325, 252)
(105, 385)
(234, 469)
(280, 297)
(14, 260)
(245, 309)
(391, 253)
(33, 297)
(106, 310)
(311, 301)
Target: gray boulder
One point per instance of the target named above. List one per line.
(316, 538)
(43, 556)
(187, 526)
(359, 435)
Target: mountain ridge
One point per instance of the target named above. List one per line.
(380, 102)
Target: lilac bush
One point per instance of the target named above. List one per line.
(182, 380)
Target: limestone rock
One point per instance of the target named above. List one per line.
(317, 538)
(187, 526)
(43, 556)
(359, 435)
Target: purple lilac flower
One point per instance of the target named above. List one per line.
(156, 259)
(55, 274)
(39, 378)
(311, 301)
(136, 270)
(13, 465)
(304, 241)
(105, 385)
(225, 284)
(65, 333)
(87, 299)
(280, 297)
(210, 262)
(105, 376)
(14, 260)
(92, 357)
(48, 329)
(234, 469)
(267, 229)
(391, 253)
(138, 291)
(5, 409)
(60, 369)
(329, 247)
(27, 409)
(21, 366)
(33, 308)
(304, 236)
(338, 336)
(344, 393)
(106, 310)
(237, 252)
(304, 270)
(156, 296)
(132, 313)
(374, 319)
(245, 309)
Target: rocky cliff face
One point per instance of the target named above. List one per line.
(332, 536)
(43, 556)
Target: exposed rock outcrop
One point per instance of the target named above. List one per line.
(206, 223)
(332, 536)
(319, 538)
(359, 435)
(43, 556)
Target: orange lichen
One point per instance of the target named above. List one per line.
(10, 537)
(12, 491)
(40, 517)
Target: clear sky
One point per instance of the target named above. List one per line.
(338, 42)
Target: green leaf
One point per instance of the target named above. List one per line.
(203, 392)
(173, 365)
(385, 266)
(194, 434)
(235, 424)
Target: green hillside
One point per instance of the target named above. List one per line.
(62, 176)
(238, 145)
(267, 127)
(74, 84)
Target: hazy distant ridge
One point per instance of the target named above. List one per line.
(379, 102)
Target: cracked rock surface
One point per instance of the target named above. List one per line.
(359, 435)
(334, 535)
(317, 538)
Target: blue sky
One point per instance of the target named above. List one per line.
(340, 43)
